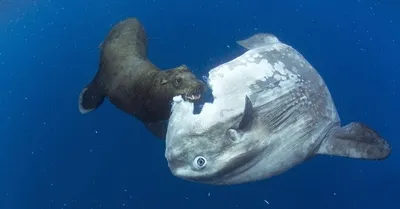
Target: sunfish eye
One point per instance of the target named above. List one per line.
(200, 162)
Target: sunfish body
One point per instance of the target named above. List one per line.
(271, 111)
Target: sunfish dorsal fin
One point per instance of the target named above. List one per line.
(258, 40)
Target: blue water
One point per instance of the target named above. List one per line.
(51, 156)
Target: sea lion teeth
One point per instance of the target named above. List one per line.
(193, 97)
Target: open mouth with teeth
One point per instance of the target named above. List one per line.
(192, 97)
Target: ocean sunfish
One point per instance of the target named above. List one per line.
(271, 112)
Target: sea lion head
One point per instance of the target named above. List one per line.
(181, 81)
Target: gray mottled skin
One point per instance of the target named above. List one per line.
(253, 131)
(132, 83)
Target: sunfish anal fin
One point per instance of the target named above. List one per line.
(355, 140)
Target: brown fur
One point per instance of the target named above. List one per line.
(132, 83)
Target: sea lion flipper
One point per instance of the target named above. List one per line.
(90, 98)
(159, 129)
(355, 140)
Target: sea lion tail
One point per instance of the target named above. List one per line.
(355, 140)
(90, 98)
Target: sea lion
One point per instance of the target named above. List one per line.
(135, 85)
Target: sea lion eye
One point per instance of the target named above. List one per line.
(178, 81)
(199, 162)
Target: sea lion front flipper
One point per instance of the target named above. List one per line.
(158, 129)
(90, 98)
(355, 140)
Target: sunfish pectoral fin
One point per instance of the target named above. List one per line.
(245, 121)
(355, 140)
(158, 129)
(90, 98)
(258, 40)
(247, 114)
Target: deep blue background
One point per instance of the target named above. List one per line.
(51, 156)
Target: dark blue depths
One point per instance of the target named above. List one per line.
(53, 157)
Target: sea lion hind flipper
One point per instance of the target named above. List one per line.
(158, 129)
(90, 98)
(355, 140)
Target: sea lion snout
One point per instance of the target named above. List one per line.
(192, 89)
(197, 91)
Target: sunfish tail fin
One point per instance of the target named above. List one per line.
(258, 40)
(355, 140)
(90, 98)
